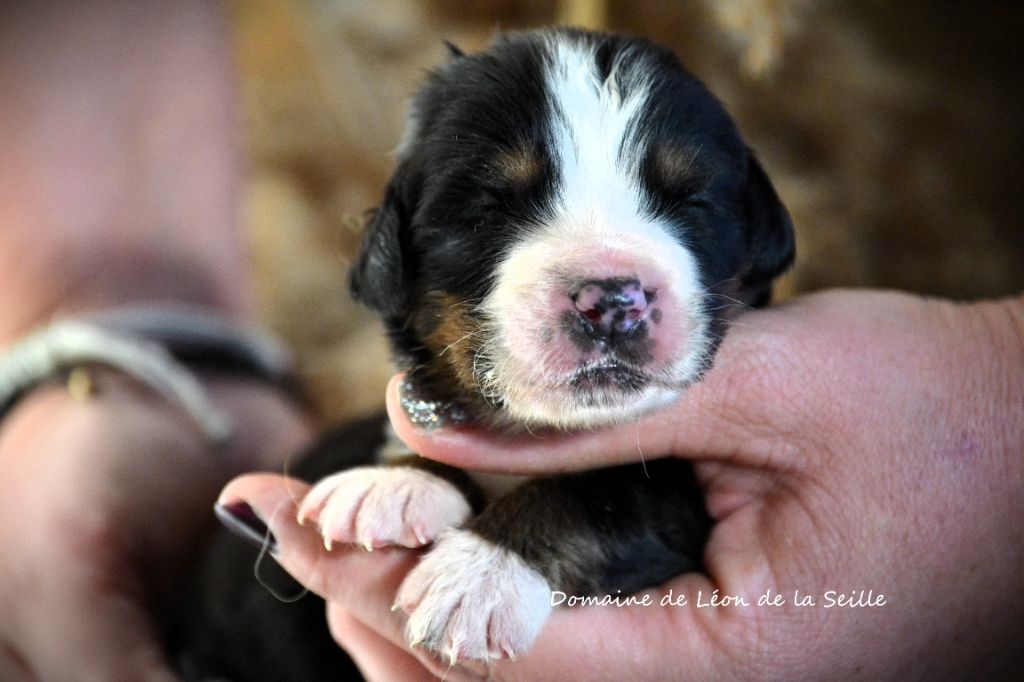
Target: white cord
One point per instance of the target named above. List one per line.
(67, 344)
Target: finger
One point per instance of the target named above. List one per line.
(577, 643)
(348, 577)
(630, 642)
(385, 629)
(378, 657)
(534, 452)
(739, 410)
(341, 574)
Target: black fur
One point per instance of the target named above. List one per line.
(618, 529)
(448, 214)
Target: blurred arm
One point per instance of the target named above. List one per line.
(119, 174)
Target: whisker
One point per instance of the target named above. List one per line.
(458, 341)
(736, 301)
(639, 448)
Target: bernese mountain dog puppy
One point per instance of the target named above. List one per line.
(571, 223)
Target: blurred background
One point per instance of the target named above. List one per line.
(892, 131)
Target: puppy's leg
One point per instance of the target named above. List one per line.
(406, 501)
(485, 591)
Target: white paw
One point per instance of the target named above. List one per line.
(381, 506)
(470, 599)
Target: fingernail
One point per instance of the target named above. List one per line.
(239, 518)
(427, 413)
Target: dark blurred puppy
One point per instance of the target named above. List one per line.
(571, 223)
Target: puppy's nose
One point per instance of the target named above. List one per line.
(611, 306)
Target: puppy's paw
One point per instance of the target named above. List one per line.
(470, 599)
(381, 506)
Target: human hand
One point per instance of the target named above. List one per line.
(102, 501)
(847, 441)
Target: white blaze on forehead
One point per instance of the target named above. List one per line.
(594, 129)
(598, 149)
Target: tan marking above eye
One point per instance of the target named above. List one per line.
(520, 167)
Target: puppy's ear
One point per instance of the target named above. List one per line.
(770, 239)
(379, 278)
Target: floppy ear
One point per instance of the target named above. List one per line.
(770, 239)
(379, 278)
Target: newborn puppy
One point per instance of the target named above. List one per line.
(571, 222)
(570, 218)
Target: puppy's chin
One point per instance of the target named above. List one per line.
(574, 408)
(592, 397)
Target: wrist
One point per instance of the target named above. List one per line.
(268, 424)
(229, 380)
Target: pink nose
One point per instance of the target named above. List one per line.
(612, 305)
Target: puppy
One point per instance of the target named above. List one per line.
(572, 220)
